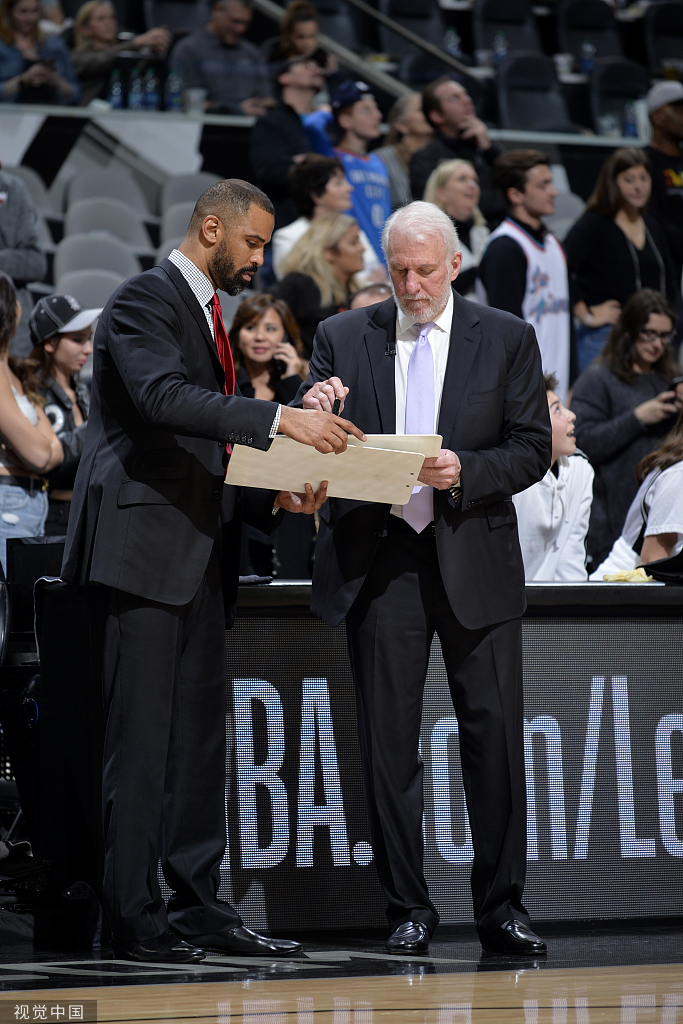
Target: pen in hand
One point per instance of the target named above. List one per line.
(336, 405)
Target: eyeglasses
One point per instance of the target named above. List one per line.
(666, 336)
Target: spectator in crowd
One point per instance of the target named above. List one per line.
(97, 49)
(52, 10)
(460, 134)
(61, 331)
(454, 187)
(614, 250)
(524, 270)
(30, 446)
(370, 295)
(319, 188)
(624, 402)
(20, 254)
(553, 514)
(278, 139)
(320, 273)
(653, 528)
(299, 28)
(269, 365)
(665, 106)
(33, 68)
(230, 68)
(358, 119)
(409, 131)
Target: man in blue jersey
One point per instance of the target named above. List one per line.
(358, 119)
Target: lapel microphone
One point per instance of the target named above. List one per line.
(390, 350)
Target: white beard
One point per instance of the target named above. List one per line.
(433, 310)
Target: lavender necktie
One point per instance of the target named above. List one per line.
(419, 511)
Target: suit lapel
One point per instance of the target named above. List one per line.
(190, 300)
(465, 340)
(380, 339)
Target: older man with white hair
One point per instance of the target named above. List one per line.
(427, 361)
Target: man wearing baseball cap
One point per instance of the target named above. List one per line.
(60, 331)
(665, 107)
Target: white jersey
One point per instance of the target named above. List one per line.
(546, 299)
(552, 518)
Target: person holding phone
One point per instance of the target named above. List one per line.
(34, 68)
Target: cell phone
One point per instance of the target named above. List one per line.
(280, 367)
(676, 381)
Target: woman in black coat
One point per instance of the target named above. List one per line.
(614, 250)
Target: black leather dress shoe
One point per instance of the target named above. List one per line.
(514, 937)
(243, 941)
(409, 937)
(164, 949)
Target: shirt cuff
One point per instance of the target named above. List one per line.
(276, 422)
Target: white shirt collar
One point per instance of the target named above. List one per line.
(407, 329)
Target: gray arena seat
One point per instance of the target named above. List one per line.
(92, 288)
(106, 183)
(94, 252)
(166, 248)
(185, 188)
(175, 220)
(529, 95)
(423, 17)
(110, 215)
(511, 18)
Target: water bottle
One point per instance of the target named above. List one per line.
(630, 123)
(151, 90)
(115, 96)
(587, 57)
(174, 90)
(500, 48)
(451, 42)
(136, 92)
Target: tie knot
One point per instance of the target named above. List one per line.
(424, 331)
(215, 301)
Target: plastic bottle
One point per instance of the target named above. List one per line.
(136, 94)
(452, 42)
(151, 90)
(587, 57)
(115, 96)
(500, 48)
(630, 123)
(174, 90)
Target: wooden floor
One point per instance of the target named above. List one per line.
(611, 995)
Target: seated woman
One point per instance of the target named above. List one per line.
(61, 330)
(97, 48)
(614, 250)
(624, 403)
(320, 273)
(30, 447)
(454, 187)
(319, 188)
(653, 528)
(299, 31)
(33, 68)
(269, 365)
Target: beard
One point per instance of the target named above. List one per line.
(224, 272)
(416, 307)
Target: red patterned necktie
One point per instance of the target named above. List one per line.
(223, 345)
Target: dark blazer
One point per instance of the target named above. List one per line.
(149, 496)
(494, 416)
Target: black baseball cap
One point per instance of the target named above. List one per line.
(58, 314)
(347, 93)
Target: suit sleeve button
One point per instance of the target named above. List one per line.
(251, 440)
(216, 495)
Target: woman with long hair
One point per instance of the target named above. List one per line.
(30, 447)
(409, 131)
(453, 186)
(34, 68)
(624, 403)
(299, 32)
(97, 49)
(320, 273)
(615, 249)
(653, 527)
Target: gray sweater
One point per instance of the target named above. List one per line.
(20, 254)
(611, 435)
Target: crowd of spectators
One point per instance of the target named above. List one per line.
(605, 301)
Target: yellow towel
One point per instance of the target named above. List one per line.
(628, 576)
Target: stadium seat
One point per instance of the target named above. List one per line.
(94, 252)
(185, 188)
(613, 83)
(568, 209)
(423, 17)
(166, 248)
(175, 220)
(108, 215)
(530, 97)
(511, 18)
(103, 183)
(179, 16)
(418, 69)
(37, 190)
(664, 34)
(592, 21)
(92, 288)
(337, 22)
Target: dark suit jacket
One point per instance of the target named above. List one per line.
(149, 496)
(494, 416)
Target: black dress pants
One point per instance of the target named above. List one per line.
(164, 762)
(390, 628)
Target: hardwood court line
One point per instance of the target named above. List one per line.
(523, 994)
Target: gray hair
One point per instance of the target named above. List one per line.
(422, 218)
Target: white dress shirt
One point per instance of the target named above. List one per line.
(407, 331)
(203, 290)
